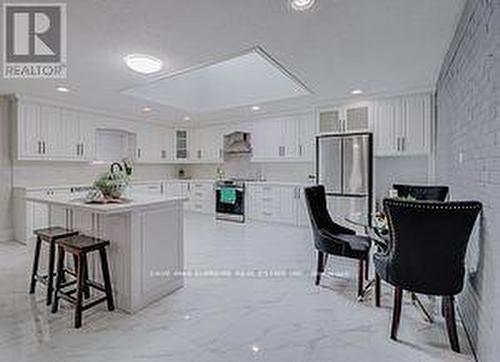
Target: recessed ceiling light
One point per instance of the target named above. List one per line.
(147, 109)
(255, 108)
(357, 91)
(142, 63)
(255, 349)
(301, 5)
(187, 118)
(62, 89)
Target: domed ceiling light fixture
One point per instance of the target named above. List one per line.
(142, 63)
(302, 5)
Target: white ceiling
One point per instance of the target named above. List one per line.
(380, 46)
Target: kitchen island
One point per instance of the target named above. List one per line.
(146, 242)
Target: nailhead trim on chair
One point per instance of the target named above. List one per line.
(427, 205)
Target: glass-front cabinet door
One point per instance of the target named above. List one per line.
(181, 144)
(353, 117)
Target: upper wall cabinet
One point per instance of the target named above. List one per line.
(46, 132)
(417, 127)
(349, 118)
(266, 140)
(52, 133)
(149, 144)
(403, 126)
(206, 144)
(306, 139)
(284, 139)
(167, 152)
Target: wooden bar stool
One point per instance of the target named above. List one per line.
(79, 246)
(49, 235)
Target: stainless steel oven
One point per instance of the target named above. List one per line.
(230, 200)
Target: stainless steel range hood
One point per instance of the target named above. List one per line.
(237, 144)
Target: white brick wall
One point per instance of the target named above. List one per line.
(468, 159)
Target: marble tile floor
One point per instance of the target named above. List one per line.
(224, 319)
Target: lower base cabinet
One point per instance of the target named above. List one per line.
(200, 194)
(276, 203)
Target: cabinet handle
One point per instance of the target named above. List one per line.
(82, 149)
(403, 143)
(281, 151)
(300, 150)
(138, 153)
(39, 147)
(398, 144)
(44, 147)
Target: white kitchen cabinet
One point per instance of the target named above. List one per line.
(201, 197)
(177, 189)
(211, 139)
(289, 139)
(154, 144)
(153, 188)
(86, 137)
(205, 145)
(266, 138)
(386, 117)
(306, 139)
(417, 128)
(275, 140)
(30, 216)
(302, 213)
(70, 147)
(57, 127)
(403, 125)
(329, 120)
(149, 143)
(353, 117)
(29, 137)
(52, 133)
(167, 152)
(272, 202)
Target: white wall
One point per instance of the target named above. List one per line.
(405, 170)
(468, 159)
(5, 172)
(39, 173)
(279, 171)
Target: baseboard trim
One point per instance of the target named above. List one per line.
(6, 235)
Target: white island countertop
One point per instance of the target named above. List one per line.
(135, 201)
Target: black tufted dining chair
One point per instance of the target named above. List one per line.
(428, 242)
(332, 238)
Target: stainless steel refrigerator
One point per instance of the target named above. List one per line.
(344, 165)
